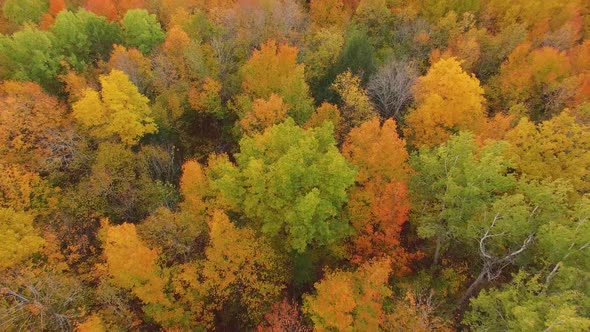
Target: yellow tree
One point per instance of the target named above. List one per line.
(239, 268)
(274, 69)
(239, 264)
(557, 148)
(357, 107)
(448, 100)
(119, 110)
(23, 190)
(131, 264)
(18, 238)
(194, 187)
(327, 13)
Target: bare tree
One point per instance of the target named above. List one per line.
(50, 302)
(391, 88)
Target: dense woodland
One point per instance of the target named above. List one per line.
(288, 165)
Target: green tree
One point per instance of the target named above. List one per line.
(141, 30)
(21, 11)
(452, 182)
(83, 37)
(30, 55)
(526, 304)
(290, 182)
(357, 55)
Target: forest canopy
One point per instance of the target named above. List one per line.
(291, 165)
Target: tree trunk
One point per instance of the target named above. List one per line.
(469, 293)
(437, 251)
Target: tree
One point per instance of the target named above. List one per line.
(241, 265)
(34, 128)
(274, 69)
(113, 9)
(378, 151)
(538, 78)
(413, 313)
(119, 110)
(322, 50)
(182, 235)
(92, 324)
(379, 204)
(506, 229)
(41, 300)
(350, 301)
(55, 7)
(551, 293)
(555, 148)
(26, 191)
(31, 55)
(120, 185)
(471, 206)
(562, 244)
(328, 13)
(133, 266)
(207, 99)
(104, 8)
(254, 23)
(357, 107)
(134, 64)
(376, 17)
(195, 189)
(141, 30)
(264, 114)
(452, 183)
(391, 88)
(21, 11)
(358, 54)
(327, 112)
(83, 38)
(18, 238)
(441, 110)
(291, 184)
(526, 304)
(240, 274)
(378, 212)
(284, 316)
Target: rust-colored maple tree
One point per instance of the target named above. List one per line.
(350, 301)
(379, 204)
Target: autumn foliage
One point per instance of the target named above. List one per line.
(290, 165)
(448, 100)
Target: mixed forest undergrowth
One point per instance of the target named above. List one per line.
(288, 165)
